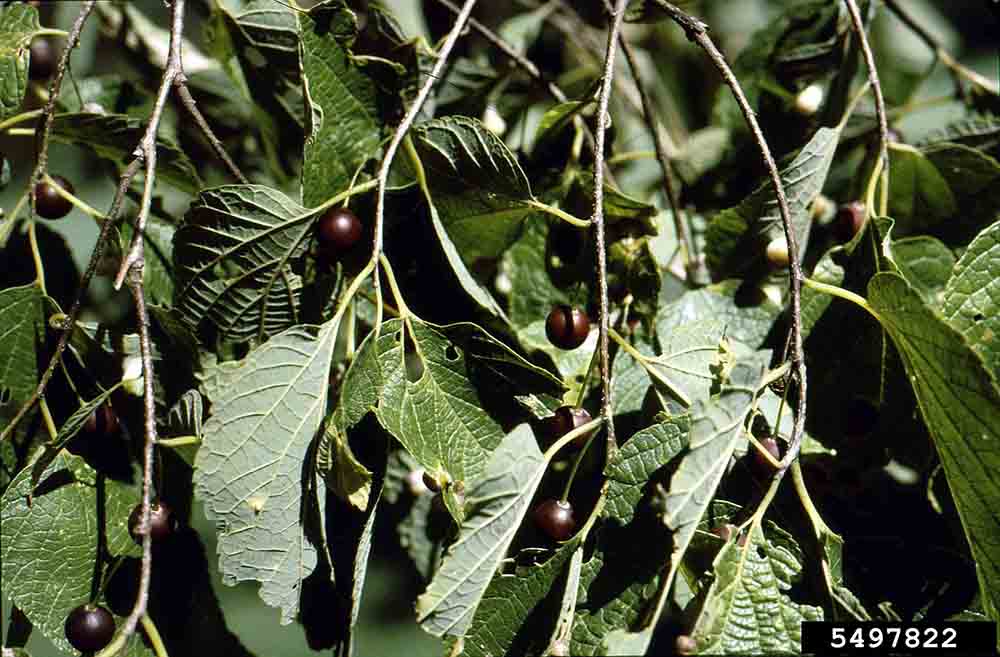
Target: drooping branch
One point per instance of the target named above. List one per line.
(597, 219)
(397, 138)
(883, 123)
(955, 68)
(697, 32)
(146, 150)
(48, 113)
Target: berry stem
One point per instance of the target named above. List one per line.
(436, 74)
(76, 201)
(556, 212)
(159, 649)
(20, 118)
(841, 293)
(577, 460)
(179, 441)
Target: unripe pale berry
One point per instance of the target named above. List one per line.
(777, 252)
(809, 100)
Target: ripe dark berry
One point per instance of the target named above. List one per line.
(42, 60)
(861, 418)
(849, 220)
(161, 522)
(49, 203)
(89, 628)
(338, 230)
(761, 466)
(565, 419)
(555, 518)
(103, 421)
(567, 327)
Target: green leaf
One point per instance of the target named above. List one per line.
(736, 237)
(980, 132)
(67, 431)
(478, 187)
(845, 604)
(266, 410)
(258, 44)
(926, 263)
(115, 137)
(716, 431)
(620, 581)
(343, 126)
(347, 477)
(746, 314)
(18, 25)
(233, 255)
(974, 180)
(47, 548)
(685, 371)
(21, 336)
(747, 608)
(440, 416)
(972, 297)
(919, 196)
(499, 502)
(960, 402)
(511, 618)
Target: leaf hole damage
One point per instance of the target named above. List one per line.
(5, 396)
(412, 360)
(978, 317)
(451, 353)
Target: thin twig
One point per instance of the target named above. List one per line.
(956, 69)
(74, 312)
(50, 105)
(498, 42)
(397, 138)
(147, 145)
(692, 263)
(187, 100)
(598, 219)
(698, 32)
(149, 431)
(883, 123)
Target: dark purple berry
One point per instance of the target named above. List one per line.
(565, 419)
(161, 522)
(555, 518)
(567, 327)
(338, 231)
(849, 220)
(761, 466)
(42, 59)
(103, 421)
(89, 628)
(49, 203)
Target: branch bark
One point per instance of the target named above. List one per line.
(597, 219)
